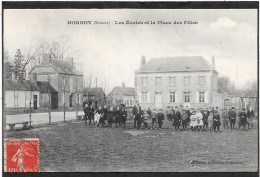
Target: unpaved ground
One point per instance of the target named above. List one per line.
(72, 146)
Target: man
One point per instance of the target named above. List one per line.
(137, 112)
(86, 111)
(184, 118)
(160, 119)
(205, 114)
(243, 118)
(149, 112)
(91, 114)
(176, 119)
(169, 114)
(225, 118)
(232, 118)
(104, 116)
(154, 117)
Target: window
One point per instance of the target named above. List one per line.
(131, 103)
(172, 81)
(172, 97)
(158, 80)
(127, 102)
(186, 80)
(144, 81)
(186, 97)
(202, 80)
(202, 97)
(144, 97)
(71, 84)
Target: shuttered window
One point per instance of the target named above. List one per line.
(202, 97)
(172, 81)
(186, 97)
(172, 98)
(158, 81)
(202, 80)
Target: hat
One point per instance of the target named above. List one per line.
(233, 107)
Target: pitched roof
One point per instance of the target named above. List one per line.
(193, 63)
(126, 91)
(43, 86)
(93, 91)
(62, 66)
(23, 85)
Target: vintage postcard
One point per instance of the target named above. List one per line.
(145, 89)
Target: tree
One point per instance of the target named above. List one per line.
(18, 65)
(224, 84)
(251, 89)
(7, 66)
(65, 80)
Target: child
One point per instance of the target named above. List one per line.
(199, 119)
(210, 120)
(146, 118)
(193, 121)
(160, 119)
(110, 117)
(177, 119)
(154, 117)
(123, 116)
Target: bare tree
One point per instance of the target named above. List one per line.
(65, 79)
(77, 94)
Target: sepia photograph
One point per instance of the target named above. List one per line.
(130, 90)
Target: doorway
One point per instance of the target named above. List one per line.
(34, 101)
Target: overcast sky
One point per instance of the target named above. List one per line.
(114, 51)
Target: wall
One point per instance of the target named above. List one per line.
(179, 88)
(22, 98)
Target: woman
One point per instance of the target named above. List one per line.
(110, 117)
(210, 120)
(243, 118)
(193, 121)
(98, 114)
(199, 119)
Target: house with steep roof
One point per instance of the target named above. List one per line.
(48, 92)
(19, 94)
(63, 77)
(93, 95)
(125, 95)
(188, 81)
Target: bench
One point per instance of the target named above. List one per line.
(25, 125)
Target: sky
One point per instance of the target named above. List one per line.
(113, 52)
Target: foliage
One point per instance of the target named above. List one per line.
(18, 65)
(7, 66)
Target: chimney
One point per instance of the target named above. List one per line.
(142, 60)
(123, 84)
(46, 59)
(34, 78)
(70, 61)
(13, 76)
(213, 62)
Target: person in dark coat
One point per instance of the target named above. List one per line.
(137, 112)
(176, 119)
(216, 121)
(243, 118)
(185, 119)
(111, 115)
(123, 115)
(232, 118)
(154, 117)
(117, 114)
(160, 119)
(225, 118)
(86, 111)
(104, 116)
(205, 114)
(91, 114)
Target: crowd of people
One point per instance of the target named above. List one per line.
(181, 118)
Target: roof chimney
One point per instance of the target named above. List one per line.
(46, 59)
(70, 61)
(123, 84)
(213, 62)
(13, 76)
(142, 60)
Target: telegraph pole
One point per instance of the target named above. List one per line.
(49, 99)
(30, 111)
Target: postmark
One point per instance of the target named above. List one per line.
(21, 155)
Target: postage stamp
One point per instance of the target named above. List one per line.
(21, 155)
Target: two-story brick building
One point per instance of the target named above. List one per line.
(63, 77)
(188, 81)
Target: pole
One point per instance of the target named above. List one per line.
(49, 99)
(64, 103)
(30, 112)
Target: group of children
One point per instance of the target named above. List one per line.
(198, 120)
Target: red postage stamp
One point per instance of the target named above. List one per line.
(21, 155)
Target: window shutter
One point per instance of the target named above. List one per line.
(176, 97)
(140, 97)
(168, 95)
(197, 97)
(148, 97)
(206, 97)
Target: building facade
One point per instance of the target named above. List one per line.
(125, 95)
(63, 77)
(187, 81)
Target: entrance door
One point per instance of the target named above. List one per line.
(71, 96)
(158, 99)
(54, 100)
(35, 101)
